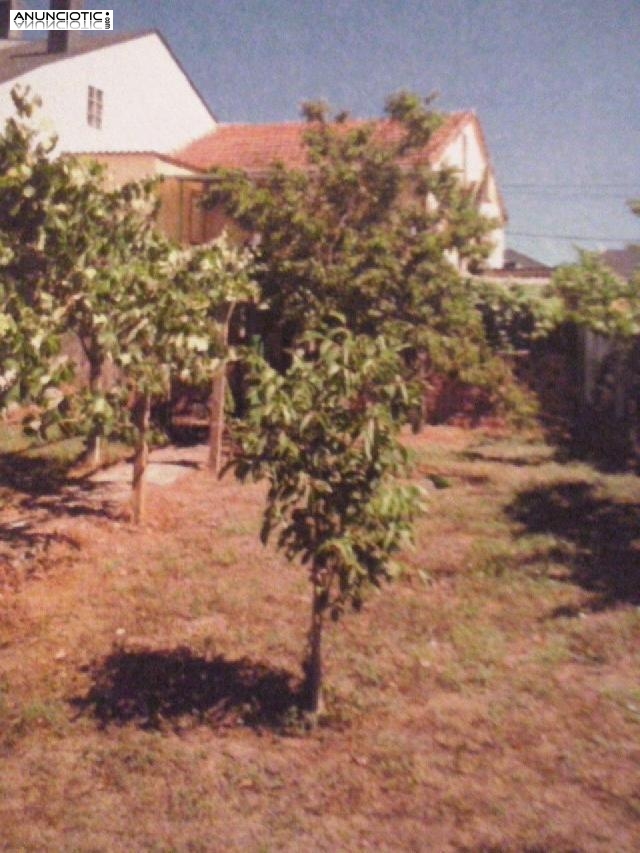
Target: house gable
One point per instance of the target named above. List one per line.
(147, 100)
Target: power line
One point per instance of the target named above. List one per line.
(574, 237)
(633, 186)
(572, 193)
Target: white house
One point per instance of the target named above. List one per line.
(107, 92)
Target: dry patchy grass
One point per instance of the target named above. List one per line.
(148, 677)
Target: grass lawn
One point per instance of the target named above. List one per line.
(489, 701)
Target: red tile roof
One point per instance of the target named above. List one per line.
(255, 147)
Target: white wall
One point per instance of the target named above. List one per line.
(454, 156)
(149, 105)
(466, 154)
(495, 259)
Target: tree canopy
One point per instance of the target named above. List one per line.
(370, 230)
(32, 215)
(595, 297)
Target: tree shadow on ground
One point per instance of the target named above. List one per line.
(44, 483)
(75, 499)
(28, 534)
(524, 460)
(33, 475)
(175, 688)
(27, 552)
(602, 535)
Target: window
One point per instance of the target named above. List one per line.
(94, 107)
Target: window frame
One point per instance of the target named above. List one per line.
(95, 107)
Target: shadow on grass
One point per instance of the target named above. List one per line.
(43, 483)
(183, 463)
(38, 488)
(24, 534)
(605, 536)
(155, 689)
(33, 475)
(530, 459)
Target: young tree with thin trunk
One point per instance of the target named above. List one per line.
(167, 323)
(324, 435)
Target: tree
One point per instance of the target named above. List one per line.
(108, 256)
(115, 253)
(161, 317)
(368, 230)
(595, 299)
(32, 364)
(324, 435)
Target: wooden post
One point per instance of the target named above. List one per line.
(95, 438)
(96, 454)
(141, 416)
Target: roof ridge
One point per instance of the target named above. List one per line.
(455, 114)
(255, 147)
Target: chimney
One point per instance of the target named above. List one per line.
(60, 41)
(6, 6)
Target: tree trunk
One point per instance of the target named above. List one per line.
(420, 415)
(140, 416)
(93, 455)
(216, 422)
(313, 664)
(417, 420)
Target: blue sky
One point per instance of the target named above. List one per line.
(556, 84)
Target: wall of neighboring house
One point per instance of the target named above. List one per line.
(180, 190)
(191, 224)
(495, 260)
(135, 165)
(148, 103)
(139, 165)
